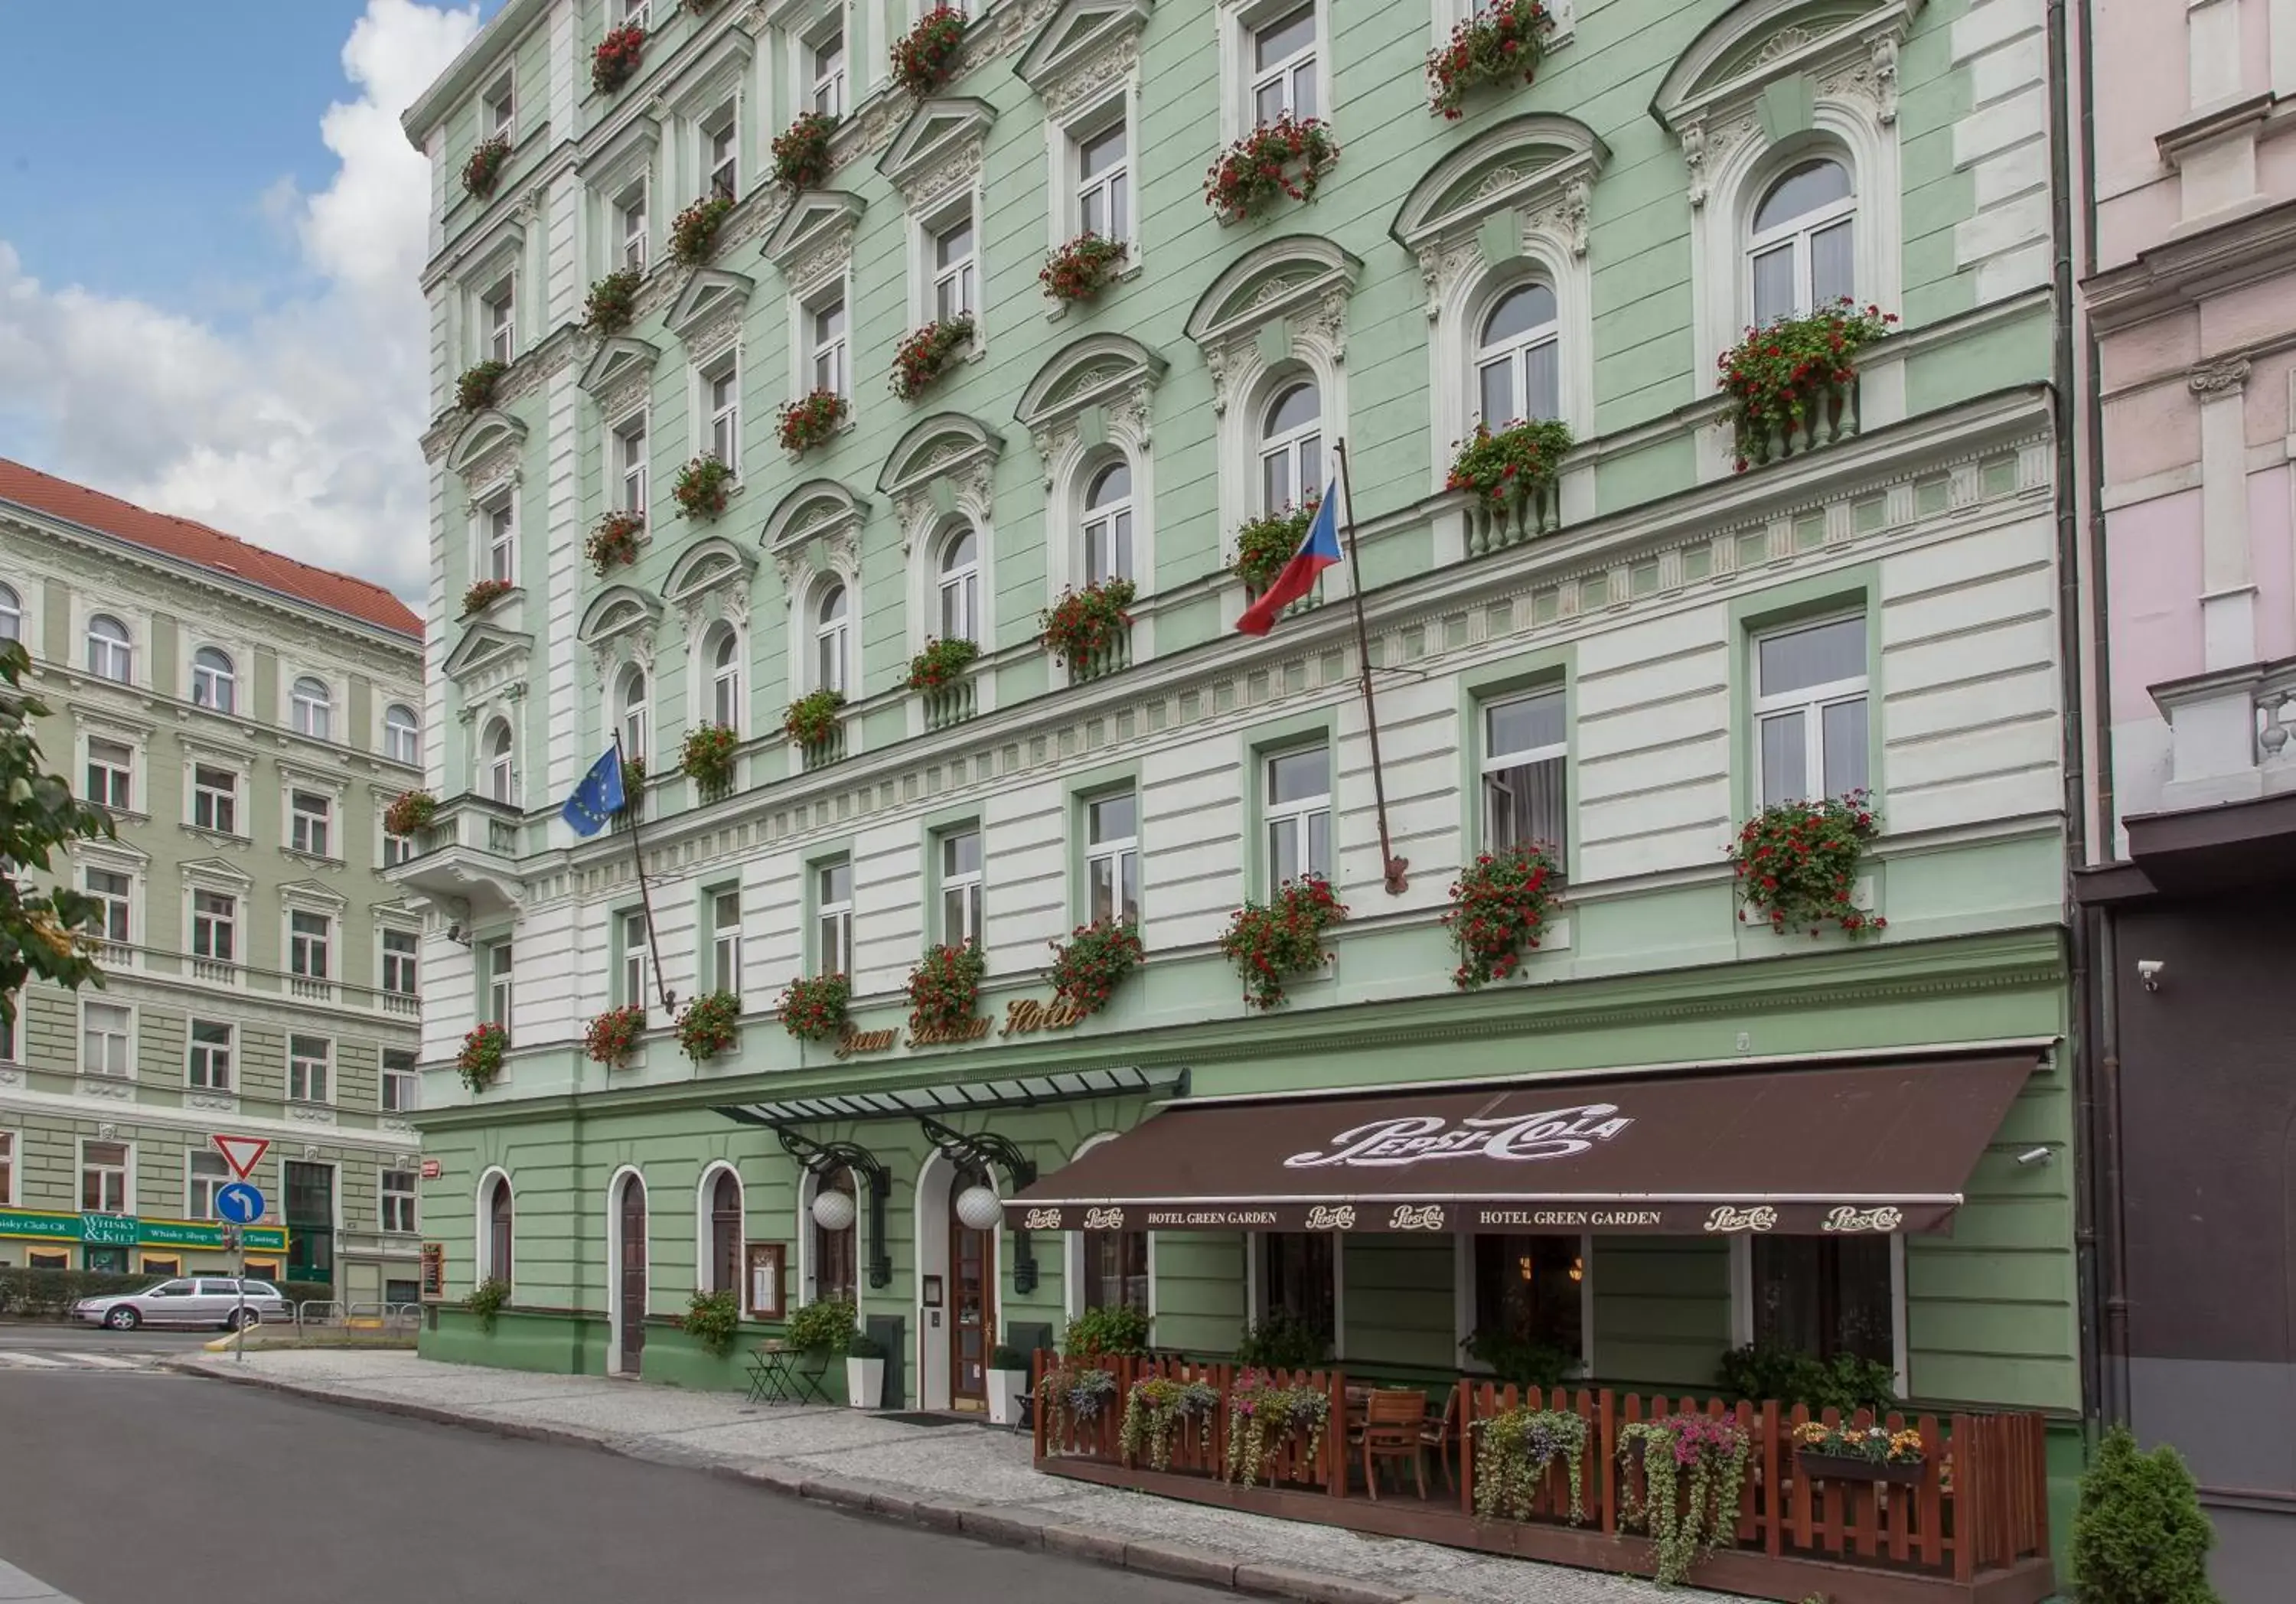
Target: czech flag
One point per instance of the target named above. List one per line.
(1317, 553)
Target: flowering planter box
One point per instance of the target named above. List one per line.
(1853, 1466)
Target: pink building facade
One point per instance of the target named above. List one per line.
(2187, 269)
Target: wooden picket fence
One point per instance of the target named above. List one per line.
(1200, 1447)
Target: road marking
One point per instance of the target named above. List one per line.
(36, 1360)
(109, 1361)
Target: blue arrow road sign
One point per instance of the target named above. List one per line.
(239, 1203)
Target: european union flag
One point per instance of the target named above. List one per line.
(599, 797)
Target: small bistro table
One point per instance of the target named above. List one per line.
(776, 1377)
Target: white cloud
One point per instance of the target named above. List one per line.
(298, 430)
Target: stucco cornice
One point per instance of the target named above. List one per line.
(462, 76)
(2181, 273)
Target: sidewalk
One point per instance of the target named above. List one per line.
(959, 1477)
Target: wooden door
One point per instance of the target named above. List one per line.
(972, 1320)
(633, 1273)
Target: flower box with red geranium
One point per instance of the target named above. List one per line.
(479, 1063)
(482, 169)
(613, 302)
(945, 987)
(476, 387)
(812, 718)
(633, 789)
(701, 487)
(1797, 864)
(1093, 961)
(1499, 903)
(1265, 544)
(1286, 157)
(816, 1008)
(1508, 466)
(1793, 382)
(617, 57)
(707, 757)
(613, 1036)
(709, 1025)
(926, 57)
(926, 354)
(693, 231)
(812, 421)
(1504, 40)
(409, 811)
(1082, 268)
(936, 666)
(1275, 941)
(1085, 627)
(801, 153)
(484, 593)
(614, 542)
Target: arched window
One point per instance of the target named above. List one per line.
(836, 1253)
(214, 684)
(501, 783)
(11, 614)
(1800, 251)
(1291, 446)
(402, 734)
(630, 713)
(724, 648)
(498, 1266)
(110, 654)
(831, 635)
(313, 709)
(1108, 524)
(1517, 375)
(725, 1233)
(960, 586)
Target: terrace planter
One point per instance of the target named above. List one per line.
(864, 1382)
(1852, 1467)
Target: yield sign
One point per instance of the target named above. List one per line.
(242, 1153)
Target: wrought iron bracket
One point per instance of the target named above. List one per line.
(827, 1158)
(987, 1150)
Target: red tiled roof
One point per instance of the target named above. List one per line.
(207, 548)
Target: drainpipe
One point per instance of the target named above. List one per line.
(2114, 1359)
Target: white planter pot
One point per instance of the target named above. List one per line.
(864, 1382)
(1004, 1389)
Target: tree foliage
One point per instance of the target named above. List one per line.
(44, 933)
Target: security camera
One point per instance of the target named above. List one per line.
(2148, 971)
(2033, 1156)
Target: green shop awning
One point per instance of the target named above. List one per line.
(1869, 1148)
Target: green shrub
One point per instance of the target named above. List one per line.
(2139, 1534)
(1281, 1341)
(298, 1292)
(863, 1346)
(1844, 1382)
(487, 1300)
(1525, 1361)
(1006, 1358)
(50, 1293)
(712, 1319)
(1107, 1333)
(825, 1327)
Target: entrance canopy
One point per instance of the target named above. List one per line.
(1867, 1147)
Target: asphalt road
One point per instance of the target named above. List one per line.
(129, 1487)
(40, 1336)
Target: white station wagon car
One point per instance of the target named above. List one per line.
(205, 1300)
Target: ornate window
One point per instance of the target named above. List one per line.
(499, 305)
(11, 614)
(721, 143)
(402, 734)
(494, 1243)
(1517, 375)
(1291, 446)
(214, 684)
(721, 400)
(958, 610)
(1088, 413)
(111, 651)
(630, 462)
(826, 345)
(630, 225)
(312, 708)
(823, 57)
(1103, 180)
(956, 267)
(832, 639)
(1801, 251)
(724, 1255)
(499, 778)
(722, 650)
(1108, 523)
(630, 720)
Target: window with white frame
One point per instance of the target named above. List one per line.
(630, 462)
(956, 267)
(725, 941)
(111, 774)
(1283, 66)
(634, 13)
(1809, 710)
(309, 936)
(498, 309)
(111, 651)
(11, 614)
(824, 56)
(721, 406)
(204, 1174)
(402, 1087)
(1525, 778)
(1518, 373)
(630, 226)
(1102, 174)
(958, 586)
(309, 1059)
(832, 635)
(311, 817)
(114, 897)
(106, 1030)
(209, 1068)
(961, 885)
(501, 540)
(1802, 247)
(721, 141)
(1297, 814)
(832, 907)
(501, 778)
(1112, 857)
(215, 926)
(1108, 523)
(215, 799)
(401, 972)
(501, 113)
(499, 957)
(399, 1192)
(313, 706)
(630, 720)
(826, 345)
(636, 951)
(395, 849)
(1291, 446)
(722, 652)
(402, 734)
(213, 684)
(104, 1175)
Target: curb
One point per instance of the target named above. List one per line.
(1007, 1527)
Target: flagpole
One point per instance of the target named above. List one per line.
(645, 897)
(1394, 870)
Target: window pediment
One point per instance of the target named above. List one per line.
(313, 897)
(937, 148)
(813, 242)
(711, 78)
(617, 362)
(487, 648)
(482, 438)
(819, 522)
(622, 153)
(708, 565)
(944, 446)
(708, 311)
(619, 609)
(118, 853)
(1084, 47)
(217, 872)
(1285, 277)
(1114, 373)
(1535, 165)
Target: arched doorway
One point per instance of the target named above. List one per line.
(628, 1282)
(956, 1289)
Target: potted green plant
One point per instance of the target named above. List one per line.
(811, 420)
(612, 1036)
(487, 1300)
(409, 811)
(1008, 1378)
(1286, 157)
(480, 1063)
(938, 666)
(1266, 543)
(484, 593)
(1503, 39)
(1874, 1454)
(713, 1319)
(1281, 1341)
(1107, 1333)
(925, 57)
(476, 387)
(616, 57)
(1271, 942)
(1692, 1468)
(701, 486)
(614, 542)
(801, 153)
(693, 231)
(1088, 966)
(612, 302)
(2140, 1535)
(1499, 905)
(1083, 627)
(1510, 465)
(1791, 377)
(707, 757)
(709, 1025)
(865, 1371)
(945, 987)
(926, 352)
(482, 169)
(1082, 268)
(815, 1007)
(1796, 865)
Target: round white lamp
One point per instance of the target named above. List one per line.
(978, 1208)
(833, 1210)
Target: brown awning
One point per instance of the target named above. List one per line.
(1882, 1147)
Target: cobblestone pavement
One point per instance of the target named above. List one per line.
(930, 1473)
